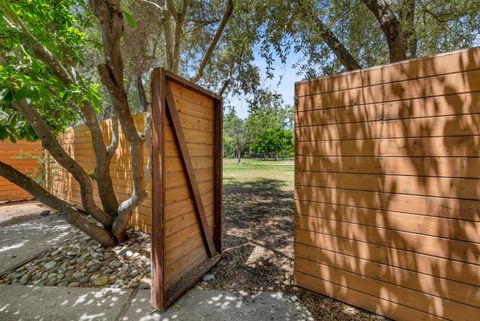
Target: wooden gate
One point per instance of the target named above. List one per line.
(187, 220)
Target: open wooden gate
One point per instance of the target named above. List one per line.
(187, 220)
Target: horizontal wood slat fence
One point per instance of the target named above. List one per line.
(387, 187)
(183, 210)
(78, 144)
(25, 157)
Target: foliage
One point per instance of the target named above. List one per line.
(25, 77)
(274, 141)
(234, 133)
(267, 131)
(437, 26)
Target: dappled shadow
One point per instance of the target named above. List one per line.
(259, 247)
(388, 187)
(217, 305)
(22, 241)
(258, 236)
(60, 303)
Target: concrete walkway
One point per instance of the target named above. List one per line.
(59, 303)
(22, 241)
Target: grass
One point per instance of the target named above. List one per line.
(258, 170)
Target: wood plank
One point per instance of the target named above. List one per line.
(192, 136)
(398, 147)
(218, 223)
(443, 288)
(429, 206)
(184, 220)
(174, 164)
(422, 263)
(178, 178)
(449, 105)
(465, 125)
(188, 264)
(430, 225)
(461, 167)
(179, 91)
(185, 156)
(368, 302)
(197, 149)
(451, 62)
(426, 303)
(440, 85)
(458, 188)
(418, 243)
(158, 191)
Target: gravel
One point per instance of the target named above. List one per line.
(82, 262)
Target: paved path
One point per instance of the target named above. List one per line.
(22, 241)
(60, 303)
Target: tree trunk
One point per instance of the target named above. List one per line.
(391, 27)
(111, 73)
(50, 143)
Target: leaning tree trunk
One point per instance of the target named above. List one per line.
(72, 215)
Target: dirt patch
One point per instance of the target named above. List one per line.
(259, 232)
(18, 212)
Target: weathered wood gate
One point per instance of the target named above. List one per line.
(187, 221)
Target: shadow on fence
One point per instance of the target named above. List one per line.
(388, 187)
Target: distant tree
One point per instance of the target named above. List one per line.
(269, 124)
(274, 141)
(234, 135)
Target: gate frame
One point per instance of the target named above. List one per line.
(163, 107)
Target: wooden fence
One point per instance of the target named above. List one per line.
(25, 157)
(183, 211)
(387, 187)
(78, 144)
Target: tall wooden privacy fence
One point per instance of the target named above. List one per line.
(183, 211)
(387, 187)
(23, 156)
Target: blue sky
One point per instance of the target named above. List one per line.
(283, 82)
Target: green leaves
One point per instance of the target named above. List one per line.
(130, 19)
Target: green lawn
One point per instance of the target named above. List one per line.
(250, 170)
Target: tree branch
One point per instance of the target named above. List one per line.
(179, 22)
(407, 17)
(216, 37)
(340, 51)
(50, 143)
(391, 27)
(70, 214)
(142, 97)
(110, 17)
(102, 169)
